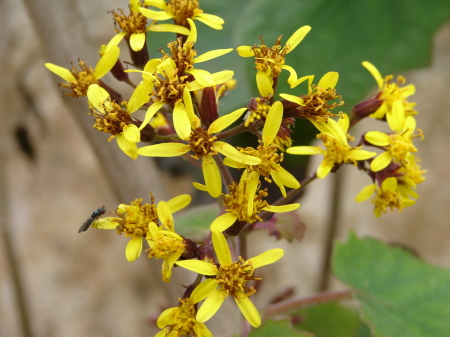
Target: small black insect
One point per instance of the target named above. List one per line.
(94, 217)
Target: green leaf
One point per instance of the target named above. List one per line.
(272, 328)
(331, 319)
(195, 222)
(399, 294)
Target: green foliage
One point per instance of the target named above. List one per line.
(272, 328)
(196, 221)
(399, 294)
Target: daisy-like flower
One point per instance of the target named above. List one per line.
(397, 146)
(133, 220)
(267, 152)
(388, 196)
(243, 204)
(181, 321)
(180, 11)
(78, 81)
(134, 26)
(202, 142)
(270, 60)
(316, 104)
(334, 136)
(395, 106)
(228, 279)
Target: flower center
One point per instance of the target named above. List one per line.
(165, 244)
(401, 146)
(201, 143)
(182, 10)
(268, 59)
(317, 104)
(233, 277)
(270, 159)
(237, 201)
(113, 120)
(133, 23)
(134, 218)
(182, 319)
(335, 153)
(392, 92)
(84, 78)
(385, 200)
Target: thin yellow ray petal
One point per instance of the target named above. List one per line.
(211, 305)
(221, 248)
(204, 289)
(129, 148)
(164, 318)
(377, 138)
(233, 153)
(140, 96)
(131, 133)
(181, 121)
(106, 62)
(98, 97)
(137, 41)
(365, 193)
(161, 4)
(151, 111)
(202, 76)
(222, 76)
(329, 80)
(223, 222)
(104, 223)
(344, 122)
(200, 187)
(114, 42)
(248, 309)
(211, 55)
(164, 150)
(245, 51)
(305, 150)
(292, 98)
(360, 154)
(292, 73)
(201, 267)
(375, 73)
(273, 122)
(323, 169)
(381, 162)
(264, 84)
(169, 28)
(231, 163)
(211, 17)
(134, 249)
(310, 79)
(389, 184)
(192, 37)
(268, 257)
(280, 185)
(225, 121)
(282, 209)
(209, 23)
(396, 119)
(286, 178)
(155, 15)
(211, 174)
(64, 73)
(297, 37)
(179, 202)
(165, 215)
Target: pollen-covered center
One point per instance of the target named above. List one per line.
(237, 200)
(268, 59)
(270, 159)
(387, 200)
(134, 218)
(182, 319)
(335, 153)
(401, 146)
(134, 23)
(318, 102)
(164, 245)
(113, 120)
(183, 10)
(201, 143)
(233, 277)
(83, 79)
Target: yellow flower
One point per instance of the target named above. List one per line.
(229, 278)
(389, 196)
(180, 11)
(267, 152)
(201, 142)
(134, 26)
(334, 137)
(78, 81)
(181, 321)
(315, 105)
(395, 105)
(397, 146)
(270, 60)
(133, 221)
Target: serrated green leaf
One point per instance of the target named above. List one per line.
(195, 222)
(399, 294)
(273, 328)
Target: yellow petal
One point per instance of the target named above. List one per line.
(292, 98)
(396, 119)
(106, 62)
(131, 133)
(223, 222)
(211, 305)
(389, 184)
(187, 99)
(114, 42)
(280, 185)
(134, 6)
(165, 215)
(380, 112)
(211, 174)
(201, 267)
(360, 154)
(273, 122)
(64, 73)
(222, 76)
(164, 150)
(104, 223)
(137, 41)
(329, 80)
(323, 169)
(151, 111)
(253, 182)
(310, 79)
(286, 178)
(165, 318)
(377, 138)
(221, 248)
(213, 18)
(381, 162)
(365, 193)
(181, 121)
(248, 309)
(194, 85)
(282, 209)
(268, 257)
(225, 121)
(245, 51)
(292, 73)
(302, 150)
(344, 122)
(332, 129)
(129, 148)
(297, 37)
(231, 163)
(161, 4)
(211, 55)
(375, 73)
(98, 97)
(140, 96)
(233, 153)
(264, 84)
(166, 268)
(179, 202)
(192, 37)
(134, 249)
(200, 187)
(169, 28)
(202, 76)
(155, 15)
(204, 289)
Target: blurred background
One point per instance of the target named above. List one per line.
(55, 170)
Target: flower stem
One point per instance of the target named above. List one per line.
(304, 302)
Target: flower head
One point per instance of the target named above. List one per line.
(228, 279)
(270, 61)
(334, 136)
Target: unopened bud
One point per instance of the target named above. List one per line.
(365, 108)
(208, 107)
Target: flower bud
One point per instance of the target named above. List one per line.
(208, 107)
